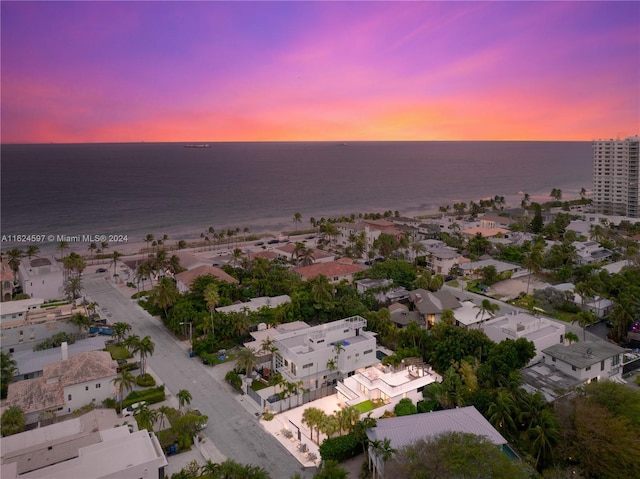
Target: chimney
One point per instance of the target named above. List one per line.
(65, 351)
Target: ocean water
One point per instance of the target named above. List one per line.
(164, 188)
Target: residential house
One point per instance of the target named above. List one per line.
(387, 384)
(337, 348)
(542, 332)
(41, 277)
(405, 430)
(65, 386)
(475, 267)
(484, 231)
(185, 279)
(492, 220)
(431, 305)
(468, 316)
(31, 364)
(89, 447)
(370, 229)
(382, 289)
(256, 304)
(597, 305)
(401, 316)
(590, 251)
(334, 271)
(565, 367)
(24, 323)
(441, 258)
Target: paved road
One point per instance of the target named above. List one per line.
(232, 428)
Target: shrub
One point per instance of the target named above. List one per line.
(405, 407)
(145, 380)
(340, 448)
(234, 379)
(151, 396)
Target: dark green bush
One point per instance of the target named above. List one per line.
(340, 448)
(151, 396)
(145, 381)
(405, 407)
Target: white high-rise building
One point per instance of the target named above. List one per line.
(616, 179)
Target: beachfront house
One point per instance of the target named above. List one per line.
(542, 332)
(65, 386)
(41, 277)
(6, 281)
(405, 430)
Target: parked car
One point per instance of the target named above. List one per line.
(259, 243)
(131, 410)
(273, 241)
(101, 270)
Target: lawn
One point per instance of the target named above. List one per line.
(118, 352)
(365, 406)
(258, 385)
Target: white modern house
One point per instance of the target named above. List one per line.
(542, 332)
(65, 386)
(256, 304)
(313, 354)
(386, 384)
(91, 446)
(405, 430)
(41, 278)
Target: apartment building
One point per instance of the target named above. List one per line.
(616, 176)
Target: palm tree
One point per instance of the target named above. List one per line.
(122, 382)
(115, 256)
(501, 413)
(165, 294)
(245, 360)
(148, 239)
(184, 397)
(163, 413)
(144, 348)
(32, 251)
(533, 261)
(383, 452)
(80, 320)
(14, 256)
(73, 287)
(571, 337)
(211, 297)
(297, 218)
(585, 319)
(348, 416)
(92, 249)
(236, 254)
(544, 436)
(63, 245)
(486, 307)
(120, 330)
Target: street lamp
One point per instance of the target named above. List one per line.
(190, 323)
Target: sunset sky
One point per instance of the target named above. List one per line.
(290, 71)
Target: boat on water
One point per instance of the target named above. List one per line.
(199, 145)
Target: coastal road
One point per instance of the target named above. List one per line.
(232, 428)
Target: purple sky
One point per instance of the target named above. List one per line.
(244, 71)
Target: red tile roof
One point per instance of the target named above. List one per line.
(331, 270)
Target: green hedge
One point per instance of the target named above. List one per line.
(340, 448)
(151, 396)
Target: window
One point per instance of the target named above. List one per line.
(368, 351)
(98, 386)
(307, 366)
(69, 398)
(601, 365)
(86, 388)
(553, 360)
(588, 368)
(615, 360)
(573, 368)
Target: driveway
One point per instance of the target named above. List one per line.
(234, 431)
